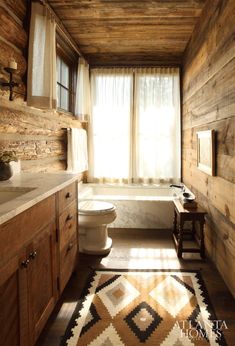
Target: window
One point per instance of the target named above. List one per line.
(66, 66)
(63, 84)
(135, 125)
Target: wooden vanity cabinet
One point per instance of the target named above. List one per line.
(28, 291)
(42, 280)
(13, 303)
(38, 252)
(67, 223)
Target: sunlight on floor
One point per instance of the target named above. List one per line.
(66, 309)
(143, 258)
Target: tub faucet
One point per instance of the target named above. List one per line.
(179, 186)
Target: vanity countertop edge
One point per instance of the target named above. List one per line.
(43, 184)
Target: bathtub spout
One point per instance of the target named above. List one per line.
(179, 186)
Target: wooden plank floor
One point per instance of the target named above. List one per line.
(140, 249)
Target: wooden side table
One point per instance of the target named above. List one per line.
(182, 215)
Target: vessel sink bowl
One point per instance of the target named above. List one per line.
(10, 193)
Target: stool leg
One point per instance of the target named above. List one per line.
(180, 239)
(175, 223)
(202, 245)
(193, 229)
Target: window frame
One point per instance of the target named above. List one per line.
(70, 58)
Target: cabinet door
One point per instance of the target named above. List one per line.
(13, 303)
(42, 289)
(68, 257)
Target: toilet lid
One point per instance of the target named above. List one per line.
(95, 207)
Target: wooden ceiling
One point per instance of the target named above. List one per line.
(126, 32)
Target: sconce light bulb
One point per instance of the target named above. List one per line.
(12, 64)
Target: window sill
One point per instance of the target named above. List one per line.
(62, 111)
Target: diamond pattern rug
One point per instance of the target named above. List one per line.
(157, 308)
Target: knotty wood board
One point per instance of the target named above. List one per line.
(110, 32)
(11, 30)
(209, 103)
(18, 7)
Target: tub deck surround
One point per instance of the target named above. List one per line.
(137, 206)
(43, 185)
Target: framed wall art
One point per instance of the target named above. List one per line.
(206, 151)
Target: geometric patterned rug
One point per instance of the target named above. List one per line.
(144, 307)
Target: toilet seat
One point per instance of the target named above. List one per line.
(92, 207)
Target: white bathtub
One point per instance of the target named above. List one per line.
(138, 206)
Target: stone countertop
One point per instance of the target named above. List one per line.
(43, 185)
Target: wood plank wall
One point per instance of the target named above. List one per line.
(209, 103)
(37, 136)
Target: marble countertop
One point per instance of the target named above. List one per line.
(42, 185)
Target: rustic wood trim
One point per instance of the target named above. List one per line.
(181, 122)
(11, 30)
(11, 13)
(220, 192)
(133, 66)
(62, 30)
(119, 32)
(41, 162)
(216, 221)
(13, 137)
(26, 25)
(58, 119)
(10, 45)
(16, 7)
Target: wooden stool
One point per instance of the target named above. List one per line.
(182, 215)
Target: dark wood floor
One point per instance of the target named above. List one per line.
(140, 249)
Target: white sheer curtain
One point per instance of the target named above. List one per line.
(157, 125)
(82, 107)
(41, 91)
(110, 125)
(134, 133)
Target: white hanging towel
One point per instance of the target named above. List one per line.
(77, 150)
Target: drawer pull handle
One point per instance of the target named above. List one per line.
(25, 263)
(68, 195)
(70, 246)
(69, 217)
(33, 254)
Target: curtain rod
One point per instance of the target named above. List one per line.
(62, 28)
(133, 67)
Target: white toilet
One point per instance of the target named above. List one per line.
(93, 218)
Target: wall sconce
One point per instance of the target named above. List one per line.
(12, 67)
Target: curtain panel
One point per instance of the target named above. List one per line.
(110, 125)
(157, 125)
(134, 132)
(82, 106)
(41, 89)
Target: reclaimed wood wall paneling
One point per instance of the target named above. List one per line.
(209, 103)
(37, 136)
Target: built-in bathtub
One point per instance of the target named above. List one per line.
(138, 206)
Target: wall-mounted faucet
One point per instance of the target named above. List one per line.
(179, 186)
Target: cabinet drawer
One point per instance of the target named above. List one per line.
(22, 228)
(68, 258)
(68, 224)
(66, 196)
